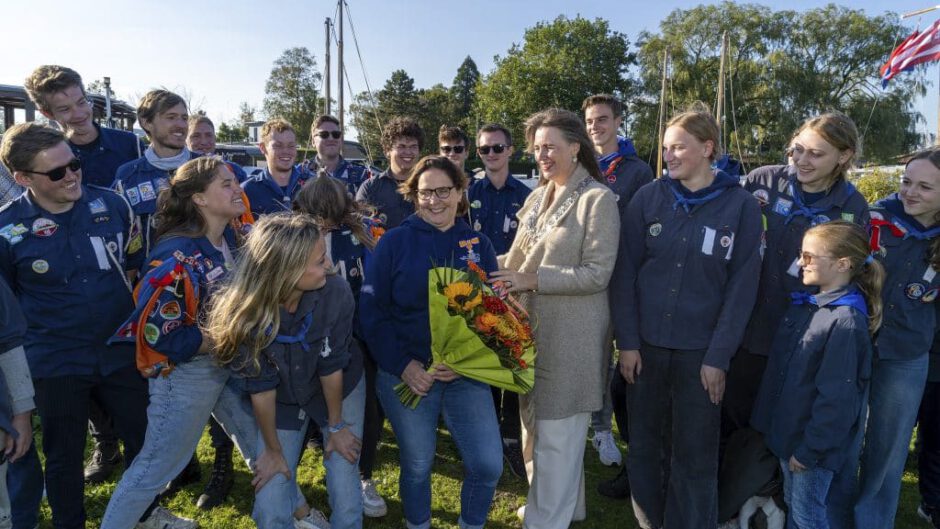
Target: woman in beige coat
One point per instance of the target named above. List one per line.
(560, 262)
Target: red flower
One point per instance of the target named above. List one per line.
(494, 304)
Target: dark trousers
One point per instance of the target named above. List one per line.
(63, 404)
(374, 418)
(24, 484)
(618, 397)
(928, 443)
(507, 413)
(744, 379)
(100, 424)
(674, 430)
(220, 439)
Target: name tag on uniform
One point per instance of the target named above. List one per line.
(930, 274)
(507, 224)
(709, 241)
(215, 273)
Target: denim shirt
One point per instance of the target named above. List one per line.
(493, 211)
(295, 368)
(911, 286)
(381, 192)
(68, 272)
(687, 279)
(813, 391)
(780, 273)
(102, 158)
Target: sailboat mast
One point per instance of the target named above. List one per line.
(326, 71)
(720, 106)
(339, 72)
(662, 117)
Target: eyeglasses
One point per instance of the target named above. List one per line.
(498, 148)
(440, 192)
(59, 172)
(808, 258)
(458, 149)
(324, 134)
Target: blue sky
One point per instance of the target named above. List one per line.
(221, 52)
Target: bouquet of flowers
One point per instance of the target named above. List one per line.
(477, 333)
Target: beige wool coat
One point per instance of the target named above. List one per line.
(569, 312)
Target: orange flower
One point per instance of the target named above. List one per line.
(475, 268)
(486, 322)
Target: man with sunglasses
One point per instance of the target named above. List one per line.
(453, 144)
(402, 141)
(68, 251)
(494, 202)
(59, 94)
(327, 137)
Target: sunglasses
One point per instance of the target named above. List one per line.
(458, 149)
(498, 148)
(59, 172)
(324, 134)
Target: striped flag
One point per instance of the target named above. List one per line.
(917, 48)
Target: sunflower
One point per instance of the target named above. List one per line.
(462, 296)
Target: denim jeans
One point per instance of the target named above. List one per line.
(180, 406)
(6, 522)
(467, 407)
(277, 501)
(896, 390)
(25, 486)
(674, 428)
(805, 493)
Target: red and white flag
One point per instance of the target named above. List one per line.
(917, 48)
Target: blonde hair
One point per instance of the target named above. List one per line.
(245, 312)
(847, 240)
(699, 122)
(275, 125)
(837, 130)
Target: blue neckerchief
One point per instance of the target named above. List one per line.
(300, 337)
(851, 298)
(688, 202)
(911, 227)
(624, 148)
(800, 209)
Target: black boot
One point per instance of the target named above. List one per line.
(220, 482)
(192, 473)
(102, 463)
(618, 488)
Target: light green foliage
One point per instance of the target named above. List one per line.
(875, 183)
(292, 91)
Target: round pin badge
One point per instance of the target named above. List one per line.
(477, 226)
(112, 247)
(40, 266)
(655, 229)
(725, 241)
(476, 204)
(43, 227)
(353, 272)
(762, 196)
(915, 290)
(930, 295)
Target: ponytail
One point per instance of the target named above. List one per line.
(870, 278)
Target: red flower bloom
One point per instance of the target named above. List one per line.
(494, 304)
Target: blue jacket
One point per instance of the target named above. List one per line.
(393, 306)
(349, 258)
(814, 389)
(687, 278)
(102, 157)
(12, 331)
(141, 183)
(381, 192)
(624, 173)
(313, 342)
(353, 174)
(268, 197)
(180, 342)
(68, 272)
(785, 223)
(493, 211)
(911, 286)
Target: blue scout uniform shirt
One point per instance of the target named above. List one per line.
(313, 342)
(911, 286)
(68, 271)
(381, 192)
(624, 172)
(493, 211)
(268, 197)
(164, 329)
(393, 306)
(141, 183)
(12, 331)
(349, 257)
(687, 268)
(786, 218)
(102, 157)
(353, 174)
(813, 390)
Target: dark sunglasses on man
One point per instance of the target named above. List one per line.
(498, 148)
(324, 134)
(458, 149)
(59, 173)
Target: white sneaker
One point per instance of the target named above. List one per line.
(314, 520)
(606, 448)
(373, 505)
(520, 513)
(161, 518)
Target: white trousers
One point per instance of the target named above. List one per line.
(553, 451)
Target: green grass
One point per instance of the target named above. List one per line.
(445, 506)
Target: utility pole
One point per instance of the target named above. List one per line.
(914, 14)
(339, 71)
(326, 71)
(107, 102)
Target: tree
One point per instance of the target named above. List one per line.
(464, 93)
(292, 91)
(397, 98)
(246, 113)
(558, 65)
(437, 108)
(229, 134)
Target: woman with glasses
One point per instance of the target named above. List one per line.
(394, 316)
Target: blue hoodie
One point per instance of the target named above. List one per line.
(393, 306)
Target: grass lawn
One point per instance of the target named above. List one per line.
(510, 494)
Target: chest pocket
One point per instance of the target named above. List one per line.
(717, 242)
(107, 245)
